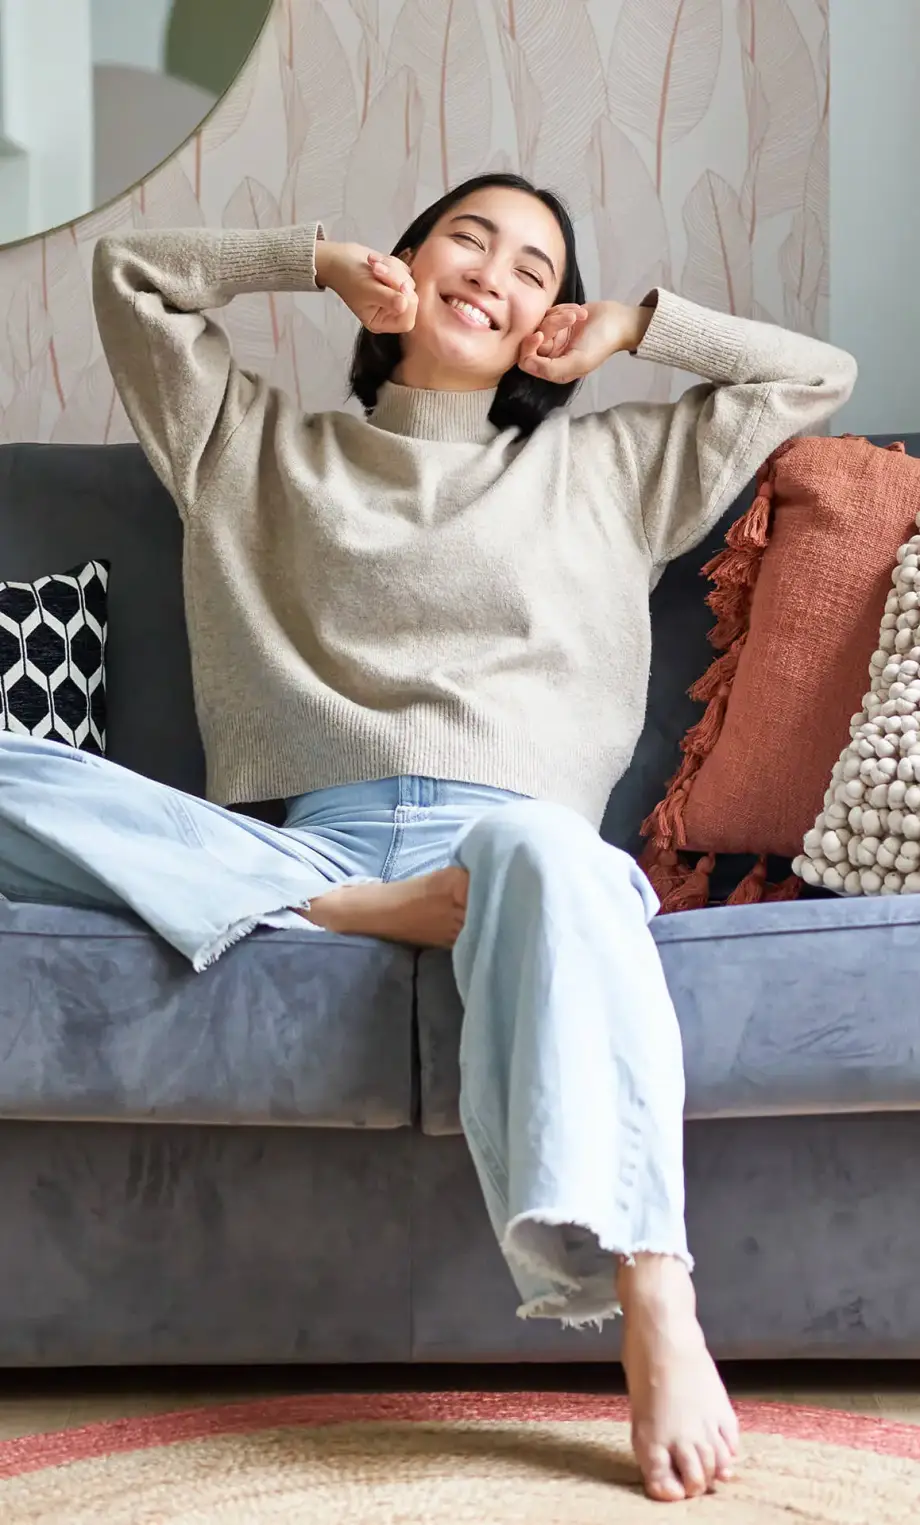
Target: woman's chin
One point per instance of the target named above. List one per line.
(458, 336)
(467, 361)
(460, 361)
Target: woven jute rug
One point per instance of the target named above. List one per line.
(445, 1459)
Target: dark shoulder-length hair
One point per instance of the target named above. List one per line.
(521, 401)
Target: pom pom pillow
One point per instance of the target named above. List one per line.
(798, 595)
(866, 841)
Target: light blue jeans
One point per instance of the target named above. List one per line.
(572, 1084)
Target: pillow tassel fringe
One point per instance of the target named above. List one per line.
(752, 888)
(789, 888)
(680, 885)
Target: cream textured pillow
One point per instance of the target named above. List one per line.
(866, 841)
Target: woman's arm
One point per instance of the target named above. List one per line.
(172, 365)
(693, 457)
(688, 460)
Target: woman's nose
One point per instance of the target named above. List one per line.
(489, 280)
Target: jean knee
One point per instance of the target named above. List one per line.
(543, 833)
(551, 839)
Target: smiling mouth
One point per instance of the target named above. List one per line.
(465, 312)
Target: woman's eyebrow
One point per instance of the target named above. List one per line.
(492, 227)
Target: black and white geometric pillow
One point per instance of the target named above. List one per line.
(52, 656)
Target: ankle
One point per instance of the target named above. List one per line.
(656, 1284)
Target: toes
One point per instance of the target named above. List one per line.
(730, 1431)
(666, 1489)
(661, 1481)
(725, 1463)
(707, 1456)
(690, 1468)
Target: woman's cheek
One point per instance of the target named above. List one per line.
(533, 317)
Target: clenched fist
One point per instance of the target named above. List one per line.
(574, 340)
(378, 288)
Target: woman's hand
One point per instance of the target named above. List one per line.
(378, 288)
(574, 340)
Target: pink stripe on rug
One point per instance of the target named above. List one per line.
(31, 1453)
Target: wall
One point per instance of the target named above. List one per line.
(875, 209)
(689, 138)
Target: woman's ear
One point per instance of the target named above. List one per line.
(407, 256)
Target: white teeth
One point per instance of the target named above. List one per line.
(474, 312)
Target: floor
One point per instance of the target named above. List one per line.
(33, 1402)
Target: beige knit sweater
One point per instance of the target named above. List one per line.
(420, 593)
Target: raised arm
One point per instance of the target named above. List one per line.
(688, 460)
(693, 457)
(171, 363)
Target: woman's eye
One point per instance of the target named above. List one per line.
(470, 238)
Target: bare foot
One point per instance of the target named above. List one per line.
(427, 912)
(684, 1430)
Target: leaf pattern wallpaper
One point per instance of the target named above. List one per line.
(689, 138)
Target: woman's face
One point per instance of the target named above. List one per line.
(485, 277)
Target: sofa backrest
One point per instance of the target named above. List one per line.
(62, 504)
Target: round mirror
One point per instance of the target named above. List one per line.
(94, 94)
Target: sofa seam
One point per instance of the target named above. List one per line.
(355, 944)
(415, 1112)
(144, 934)
(726, 934)
(415, 1051)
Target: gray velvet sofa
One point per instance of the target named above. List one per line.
(263, 1163)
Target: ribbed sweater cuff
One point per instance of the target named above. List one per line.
(693, 338)
(270, 259)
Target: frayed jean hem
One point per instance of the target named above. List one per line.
(284, 917)
(539, 1248)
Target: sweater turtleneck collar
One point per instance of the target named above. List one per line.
(452, 417)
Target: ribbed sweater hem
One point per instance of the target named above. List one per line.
(257, 757)
(693, 339)
(279, 259)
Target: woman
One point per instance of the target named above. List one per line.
(427, 630)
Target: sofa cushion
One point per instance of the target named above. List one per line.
(785, 1009)
(100, 1019)
(804, 1229)
(172, 1245)
(63, 504)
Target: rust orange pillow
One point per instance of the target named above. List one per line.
(798, 595)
